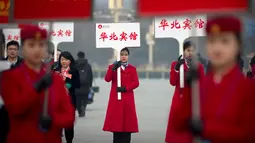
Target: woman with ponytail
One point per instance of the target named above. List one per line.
(188, 52)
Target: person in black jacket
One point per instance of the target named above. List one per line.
(86, 78)
(12, 49)
(251, 72)
(67, 69)
(4, 118)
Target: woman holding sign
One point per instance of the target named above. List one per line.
(171, 135)
(70, 74)
(121, 118)
(226, 96)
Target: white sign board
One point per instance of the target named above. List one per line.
(179, 27)
(61, 31)
(117, 35)
(12, 34)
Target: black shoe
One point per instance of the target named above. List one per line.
(82, 115)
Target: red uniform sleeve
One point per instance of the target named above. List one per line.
(135, 81)
(228, 131)
(65, 115)
(109, 74)
(174, 75)
(17, 100)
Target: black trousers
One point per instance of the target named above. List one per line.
(4, 125)
(121, 137)
(69, 134)
(81, 102)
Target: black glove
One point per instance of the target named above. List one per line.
(45, 123)
(179, 63)
(249, 74)
(44, 82)
(191, 74)
(121, 89)
(116, 65)
(196, 127)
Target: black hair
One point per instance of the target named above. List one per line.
(81, 55)
(239, 40)
(12, 43)
(2, 37)
(2, 43)
(125, 49)
(188, 44)
(252, 61)
(68, 56)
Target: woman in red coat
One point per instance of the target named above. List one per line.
(121, 118)
(227, 98)
(23, 92)
(171, 135)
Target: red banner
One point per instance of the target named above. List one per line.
(173, 7)
(45, 10)
(52, 9)
(4, 10)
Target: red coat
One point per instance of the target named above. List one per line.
(227, 108)
(121, 114)
(171, 135)
(24, 106)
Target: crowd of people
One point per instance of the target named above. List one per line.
(225, 94)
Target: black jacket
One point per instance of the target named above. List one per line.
(86, 76)
(19, 61)
(74, 81)
(4, 118)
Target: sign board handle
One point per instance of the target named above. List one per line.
(55, 51)
(180, 41)
(118, 75)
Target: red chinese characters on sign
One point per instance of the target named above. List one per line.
(164, 24)
(187, 24)
(103, 36)
(68, 33)
(122, 36)
(16, 37)
(61, 33)
(13, 37)
(199, 23)
(133, 36)
(113, 36)
(175, 24)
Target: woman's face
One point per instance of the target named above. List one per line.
(65, 62)
(222, 49)
(124, 56)
(189, 52)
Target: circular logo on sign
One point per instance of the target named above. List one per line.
(41, 24)
(100, 26)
